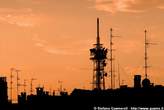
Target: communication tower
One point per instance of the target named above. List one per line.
(98, 56)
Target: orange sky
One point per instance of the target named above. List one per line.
(50, 39)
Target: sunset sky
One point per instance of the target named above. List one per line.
(50, 39)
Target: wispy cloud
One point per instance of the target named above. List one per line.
(20, 17)
(38, 40)
(52, 49)
(34, 2)
(133, 6)
(39, 1)
(58, 51)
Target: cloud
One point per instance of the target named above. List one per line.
(51, 49)
(39, 44)
(132, 6)
(39, 1)
(58, 51)
(20, 17)
(38, 40)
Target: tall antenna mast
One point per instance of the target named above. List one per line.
(146, 66)
(146, 57)
(98, 33)
(98, 56)
(98, 75)
(111, 58)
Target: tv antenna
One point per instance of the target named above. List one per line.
(111, 58)
(98, 56)
(31, 85)
(11, 82)
(146, 66)
(17, 72)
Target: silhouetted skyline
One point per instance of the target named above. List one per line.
(46, 47)
(49, 40)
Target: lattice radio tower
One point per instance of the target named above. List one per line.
(98, 56)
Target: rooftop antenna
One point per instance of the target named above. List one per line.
(11, 82)
(98, 56)
(17, 72)
(146, 66)
(24, 86)
(146, 57)
(31, 85)
(50, 90)
(61, 86)
(111, 57)
(98, 33)
(119, 75)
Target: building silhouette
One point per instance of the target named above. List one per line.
(3, 90)
(137, 81)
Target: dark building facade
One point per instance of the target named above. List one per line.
(137, 81)
(3, 90)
